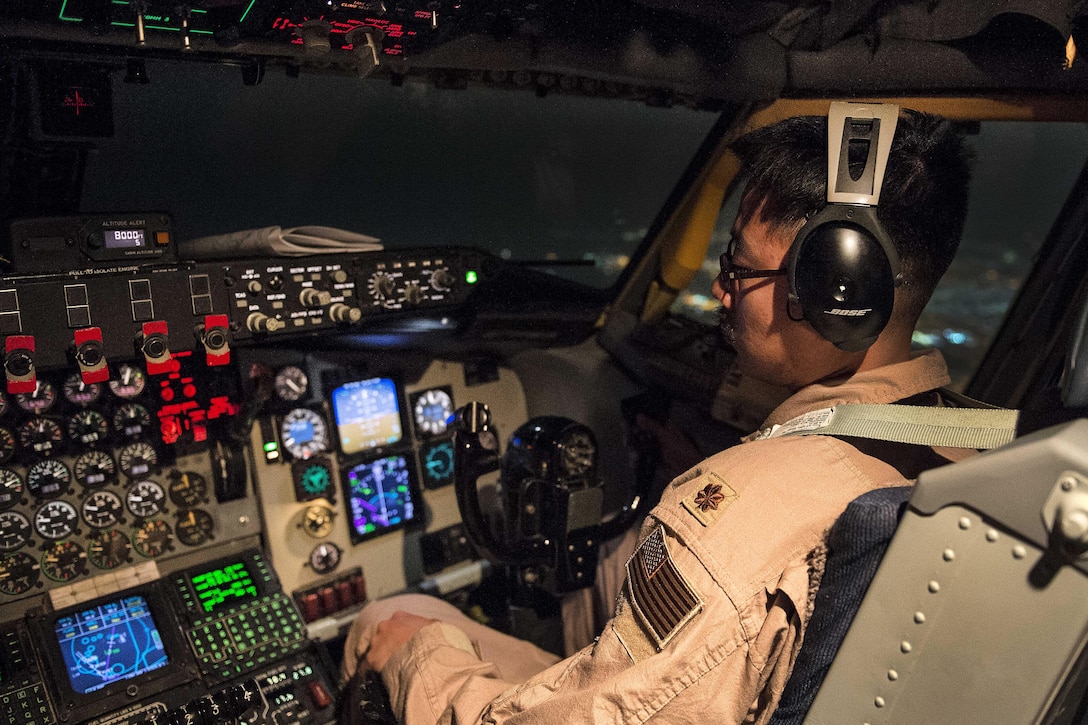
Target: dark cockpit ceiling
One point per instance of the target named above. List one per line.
(699, 53)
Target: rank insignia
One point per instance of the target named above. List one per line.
(708, 503)
(660, 596)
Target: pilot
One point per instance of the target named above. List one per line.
(721, 582)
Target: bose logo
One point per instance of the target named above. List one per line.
(848, 313)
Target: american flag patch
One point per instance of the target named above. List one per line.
(660, 595)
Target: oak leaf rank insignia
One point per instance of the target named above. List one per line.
(711, 500)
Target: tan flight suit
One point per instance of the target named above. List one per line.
(711, 617)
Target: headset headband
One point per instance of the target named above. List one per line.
(869, 127)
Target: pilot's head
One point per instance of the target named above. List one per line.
(922, 209)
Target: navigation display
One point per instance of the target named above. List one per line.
(379, 496)
(367, 415)
(224, 587)
(114, 641)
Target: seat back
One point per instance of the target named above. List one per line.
(979, 609)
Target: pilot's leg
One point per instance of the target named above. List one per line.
(516, 659)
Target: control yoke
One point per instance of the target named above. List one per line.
(547, 522)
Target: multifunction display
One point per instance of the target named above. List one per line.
(114, 641)
(379, 496)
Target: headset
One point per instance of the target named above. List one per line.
(842, 267)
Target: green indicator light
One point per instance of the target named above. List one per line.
(471, 277)
(271, 446)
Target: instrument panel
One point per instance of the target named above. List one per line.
(358, 464)
(99, 476)
(194, 483)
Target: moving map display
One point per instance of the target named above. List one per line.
(114, 641)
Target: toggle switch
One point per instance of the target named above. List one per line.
(19, 368)
(154, 343)
(214, 335)
(90, 355)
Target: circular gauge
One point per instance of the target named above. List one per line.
(11, 488)
(145, 499)
(80, 393)
(137, 459)
(95, 469)
(101, 509)
(3, 404)
(18, 573)
(290, 383)
(7, 444)
(432, 409)
(317, 521)
(14, 530)
(48, 479)
(87, 427)
(194, 527)
(152, 538)
(129, 382)
(304, 433)
(577, 452)
(187, 489)
(438, 464)
(64, 561)
(325, 557)
(56, 519)
(40, 435)
(312, 480)
(38, 401)
(108, 549)
(131, 420)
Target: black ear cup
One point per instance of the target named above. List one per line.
(843, 271)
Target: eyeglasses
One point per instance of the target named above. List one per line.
(732, 271)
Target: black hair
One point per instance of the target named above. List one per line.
(923, 201)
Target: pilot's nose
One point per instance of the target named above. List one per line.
(723, 295)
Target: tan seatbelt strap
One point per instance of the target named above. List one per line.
(920, 425)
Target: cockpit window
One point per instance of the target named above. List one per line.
(1023, 173)
(559, 178)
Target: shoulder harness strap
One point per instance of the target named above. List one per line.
(979, 428)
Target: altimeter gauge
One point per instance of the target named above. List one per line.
(432, 410)
(304, 433)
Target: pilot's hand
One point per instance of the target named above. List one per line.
(391, 635)
(678, 453)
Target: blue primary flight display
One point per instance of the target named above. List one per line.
(114, 641)
(367, 414)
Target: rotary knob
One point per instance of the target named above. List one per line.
(311, 297)
(413, 294)
(442, 280)
(258, 322)
(382, 285)
(339, 312)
